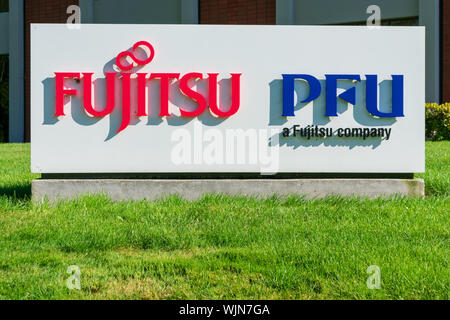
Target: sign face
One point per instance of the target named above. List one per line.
(205, 98)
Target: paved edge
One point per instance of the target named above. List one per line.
(151, 189)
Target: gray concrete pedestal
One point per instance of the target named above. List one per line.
(191, 189)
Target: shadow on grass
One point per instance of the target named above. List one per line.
(18, 192)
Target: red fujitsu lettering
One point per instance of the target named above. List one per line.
(87, 99)
(192, 94)
(165, 80)
(235, 95)
(60, 91)
(133, 57)
(126, 101)
(164, 90)
(141, 79)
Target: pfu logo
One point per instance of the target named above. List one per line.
(348, 95)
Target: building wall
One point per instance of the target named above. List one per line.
(306, 12)
(43, 11)
(213, 12)
(326, 12)
(137, 11)
(237, 11)
(445, 61)
(16, 72)
(429, 17)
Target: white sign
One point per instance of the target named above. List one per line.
(205, 98)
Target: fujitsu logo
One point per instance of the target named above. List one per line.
(142, 78)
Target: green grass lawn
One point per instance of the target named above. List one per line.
(223, 247)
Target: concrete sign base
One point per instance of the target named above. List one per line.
(191, 189)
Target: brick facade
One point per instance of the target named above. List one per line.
(445, 51)
(42, 11)
(237, 12)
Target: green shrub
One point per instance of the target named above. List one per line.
(437, 121)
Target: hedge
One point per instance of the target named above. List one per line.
(437, 121)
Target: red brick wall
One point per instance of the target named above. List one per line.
(40, 11)
(445, 81)
(237, 11)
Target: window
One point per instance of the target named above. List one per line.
(411, 21)
(401, 22)
(4, 97)
(4, 6)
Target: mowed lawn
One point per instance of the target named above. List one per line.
(224, 247)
